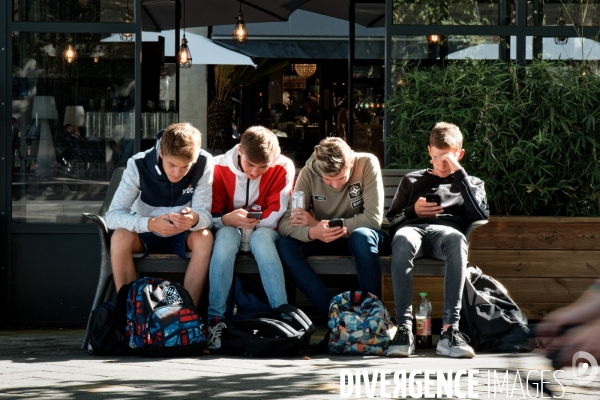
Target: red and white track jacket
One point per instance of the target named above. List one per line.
(232, 189)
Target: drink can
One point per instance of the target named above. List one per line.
(245, 245)
(298, 200)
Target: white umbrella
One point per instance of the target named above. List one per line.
(203, 50)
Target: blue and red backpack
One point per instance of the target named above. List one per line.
(162, 319)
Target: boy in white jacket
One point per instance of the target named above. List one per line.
(252, 175)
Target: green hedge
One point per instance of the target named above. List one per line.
(531, 132)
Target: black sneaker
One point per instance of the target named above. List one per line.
(453, 343)
(403, 343)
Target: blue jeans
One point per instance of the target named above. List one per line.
(220, 274)
(437, 241)
(364, 244)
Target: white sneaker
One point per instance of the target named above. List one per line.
(453, 343)
(214, 336)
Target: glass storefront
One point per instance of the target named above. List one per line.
(554, 13)
(72, 10)
(415, 12)
(73, 113)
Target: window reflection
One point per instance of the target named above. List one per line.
(73, 123)
(71, 10)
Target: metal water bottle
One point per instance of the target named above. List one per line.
(298, 200)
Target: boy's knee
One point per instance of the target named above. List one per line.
(203, 237)
(284, 243)
(122, 238)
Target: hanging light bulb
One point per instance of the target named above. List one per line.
(433, 39)
(184, 57)
(128, 18)
(561, 22)
(240, 34)
(70, 54)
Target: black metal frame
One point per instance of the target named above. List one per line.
(520, 30)
(8, 228)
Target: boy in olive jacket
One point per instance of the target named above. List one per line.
(337, 183)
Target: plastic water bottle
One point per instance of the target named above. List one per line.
(423, 317)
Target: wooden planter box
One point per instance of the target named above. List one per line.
(544, 262)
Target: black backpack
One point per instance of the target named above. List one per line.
(104, 337)
(283, 332)
(246, 299)
(106, 328)
(490, 318)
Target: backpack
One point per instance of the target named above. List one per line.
(283, 332)
(359, 324)
(162, 319)
(104, 337)
(246, 299)
(490, 318)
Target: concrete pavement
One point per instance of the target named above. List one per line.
(48, 364)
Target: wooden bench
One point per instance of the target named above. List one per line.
(156, 264)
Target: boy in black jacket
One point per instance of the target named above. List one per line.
(421, 228)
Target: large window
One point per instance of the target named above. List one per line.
(73, 121)
(461, 12)
(72, 10)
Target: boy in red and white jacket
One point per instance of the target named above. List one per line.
(252, 176)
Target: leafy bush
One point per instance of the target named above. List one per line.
(530, 131)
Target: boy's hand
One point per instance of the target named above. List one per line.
(184, 220)
(321, 231)
(450, 158)
(423, 209)
(237, 219)
(301, 217)
(163, 225)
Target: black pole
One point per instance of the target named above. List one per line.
(177, 42)
(351, 38)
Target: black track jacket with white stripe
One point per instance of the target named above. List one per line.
(463, 199)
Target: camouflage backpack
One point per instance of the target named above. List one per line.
(359, 324)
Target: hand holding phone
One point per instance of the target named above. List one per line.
(254, 214)
(336, 223)
(433, 198)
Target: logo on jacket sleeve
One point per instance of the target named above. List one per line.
(355, 190)
(188, 190)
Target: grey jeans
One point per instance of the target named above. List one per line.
(437, 241)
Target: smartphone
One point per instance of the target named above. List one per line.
(433, 198)
(337, 222)
(254, 214)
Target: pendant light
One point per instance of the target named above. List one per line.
(184, 57)
(70, 54)
(127, 37)
(433, 39)
(240, 33)
(305, 70)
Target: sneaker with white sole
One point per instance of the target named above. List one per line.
(453, 343)
(214, 335)
(403, 343)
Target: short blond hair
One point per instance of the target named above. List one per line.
(182, 141)
(446, 136)
(332, 156)
(259, 145)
